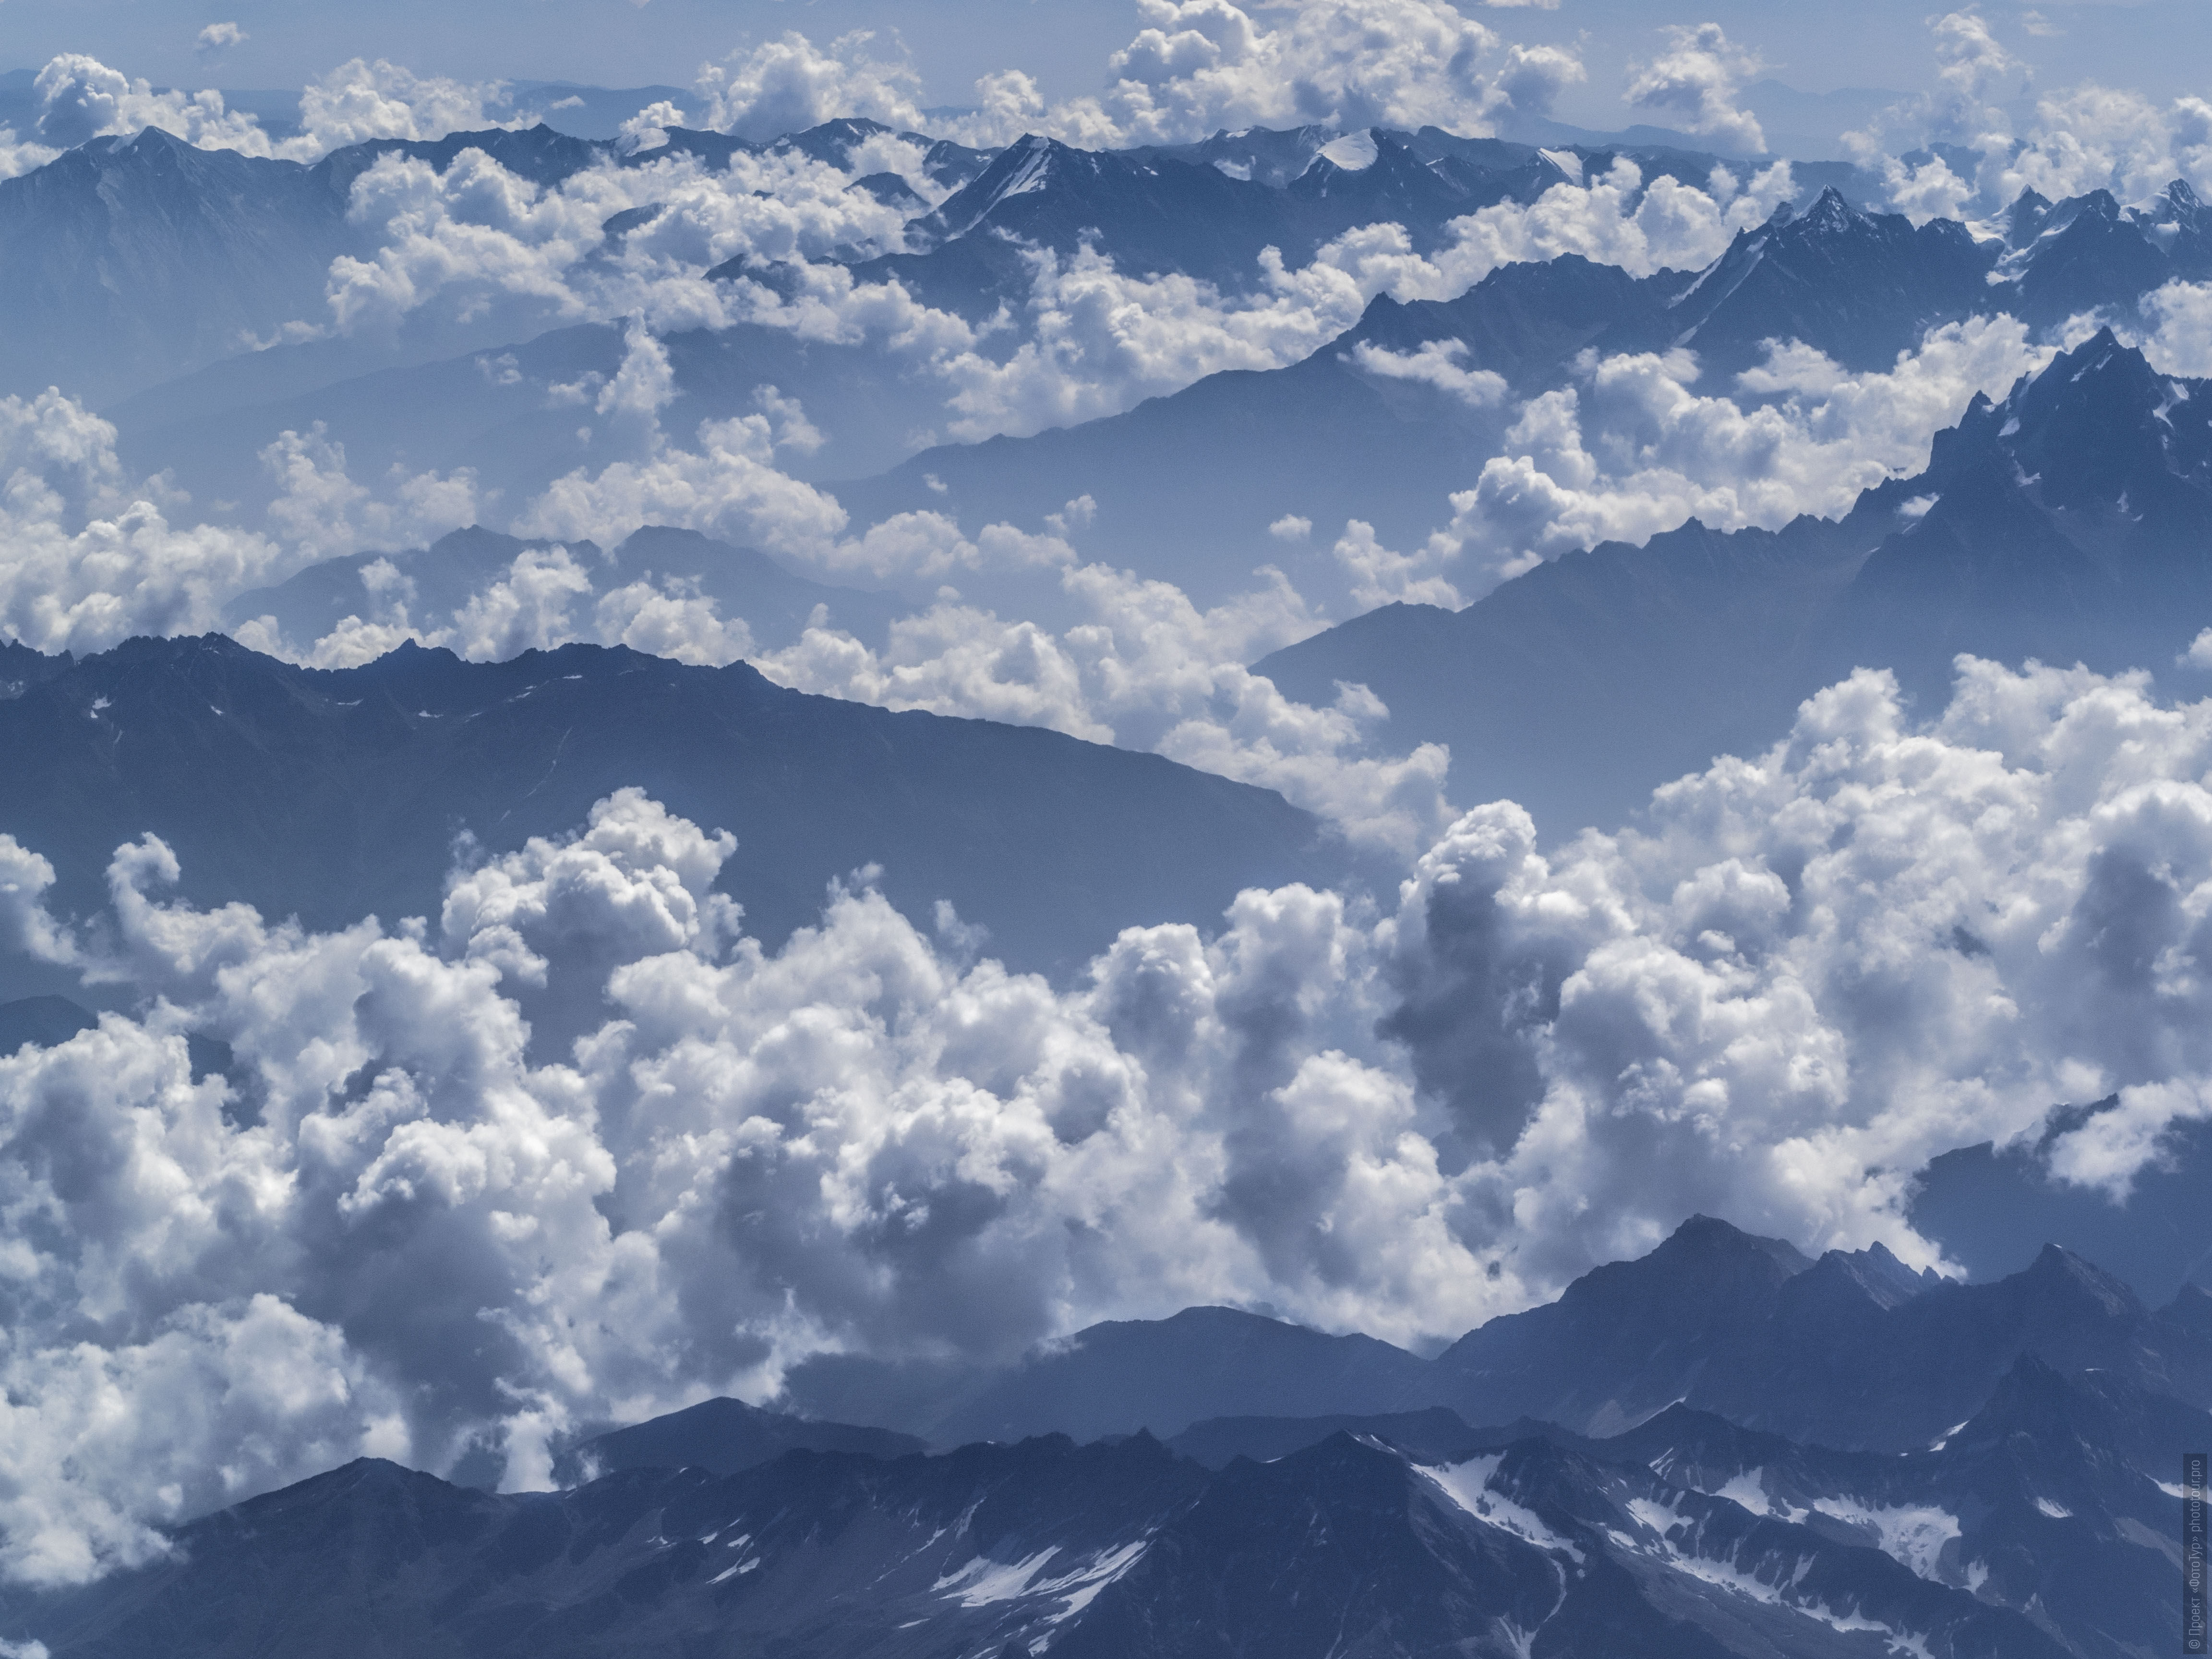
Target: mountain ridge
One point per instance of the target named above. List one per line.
(332, 793)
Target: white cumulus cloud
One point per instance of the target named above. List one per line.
(1804, 975)
(1695, 83)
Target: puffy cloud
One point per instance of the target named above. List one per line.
(647, 130)
(1145, 668)
(1096, 341)
(476, 232)
(651, 1160)
(321, 512)
(1198, 66)
(103, 1445)
(744, 1157)
(789, 84)
(1437, 364)
(80, 97)
(1629, 450)
(1194, 67)
(1615, 218)
(2172, 326)
(1091, 339)
(88, 557)
(1087, 339)
(1814, 970)
(2092, 138)
(728, 486)
(87, 560)
(361, 100)
(2078, 139)
(18, 157)
(1695, 80)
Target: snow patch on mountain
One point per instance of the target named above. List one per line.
(1914, 1536)
(1471, 1486)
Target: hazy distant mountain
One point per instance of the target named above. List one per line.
(331, 795)
(128, 262)
(45, 1020)
(1188, 483)
(1850, 1350)
(1119, 1377)
(721, 1437)
(2068, 521)
(498, 410)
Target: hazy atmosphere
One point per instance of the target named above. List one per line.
(1305, 726)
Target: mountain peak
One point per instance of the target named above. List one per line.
(1830, 213)
(1705, 1235)
(2057, 1271)
(1873, 1272)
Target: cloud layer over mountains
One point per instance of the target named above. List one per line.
(578, 1148)
(652, 1161)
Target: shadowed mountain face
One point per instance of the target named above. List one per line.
(144, 258)
(331, 795)
(2068, 522)
(1860, 287)
(2087, 253)
(44, 1020)
(721, 1437)
(2042, 1521)
(1853, 1350)
(1108, 1550)
(2039, 1520)
(1330, 439)
(1122, 1377)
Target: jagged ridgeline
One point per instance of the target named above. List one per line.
(328, 795)
(1722, 1448)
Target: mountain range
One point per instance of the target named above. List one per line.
(1331, 438)
(331, 794)
(1725, 1447)
(2066, 522)
(2044, 1520)
(161, 342)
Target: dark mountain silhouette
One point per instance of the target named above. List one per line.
(44, 1020)
(2067, 522)
(1118, 1548)
(1119, 1377)
(331, 795)
(721, 1437)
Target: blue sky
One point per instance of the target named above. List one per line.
(2161, 47)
